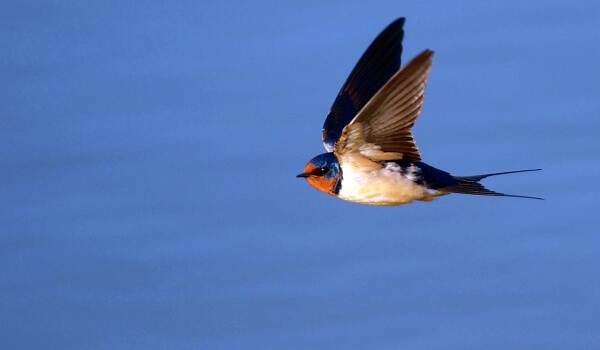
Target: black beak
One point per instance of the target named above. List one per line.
(303, 175)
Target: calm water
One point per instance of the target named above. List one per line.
(148, 154)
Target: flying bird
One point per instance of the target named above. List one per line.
(372, 157)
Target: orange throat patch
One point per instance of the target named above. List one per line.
(322, 184)
(316, 179)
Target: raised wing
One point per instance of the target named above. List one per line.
(376, 66)
(381, 130)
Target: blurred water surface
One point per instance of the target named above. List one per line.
(148, 153)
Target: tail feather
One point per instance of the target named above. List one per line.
(471, 185)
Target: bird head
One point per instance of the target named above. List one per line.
(323, 172)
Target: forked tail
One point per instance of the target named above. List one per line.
(471, 185)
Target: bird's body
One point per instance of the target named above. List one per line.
(383, 184)
(372, 157)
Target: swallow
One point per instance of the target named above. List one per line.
(372, 157)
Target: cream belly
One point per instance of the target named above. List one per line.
(381, 186)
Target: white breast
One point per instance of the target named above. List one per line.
(380, 186)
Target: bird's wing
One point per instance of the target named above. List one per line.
(381, 130)
(377, 65)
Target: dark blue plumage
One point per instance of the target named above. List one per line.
(436, 179)
(377, 65)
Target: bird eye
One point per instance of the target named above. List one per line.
(324, 170)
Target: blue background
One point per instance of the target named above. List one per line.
(148, 154)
